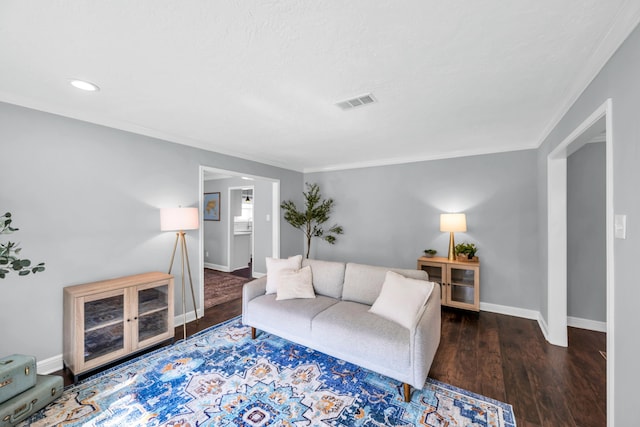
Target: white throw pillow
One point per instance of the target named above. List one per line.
(295, 284)
(274, 265)
(401, 299)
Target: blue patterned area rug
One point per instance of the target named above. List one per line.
(221, 377)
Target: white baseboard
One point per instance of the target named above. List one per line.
(49, 365)
(518, 312)
(177, 320)
(576, 322)
(510, 311)
(257, 275)
(218, 267)
(543, 327)
(592, 325)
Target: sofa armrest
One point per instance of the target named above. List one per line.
(251, 290)
(426, 338)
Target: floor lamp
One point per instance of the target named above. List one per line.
(452, 222)
(179, 220)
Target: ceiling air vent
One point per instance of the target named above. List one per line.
(356, 102)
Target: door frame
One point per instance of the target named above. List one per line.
(275, 223)
(557, 236)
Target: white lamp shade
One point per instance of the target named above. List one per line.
(175, 219)
(453, 222)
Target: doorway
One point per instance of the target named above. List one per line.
(556, 329)
(261, 238)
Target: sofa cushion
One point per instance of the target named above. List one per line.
(362, 283)
(328, 276)
(274, 265)
(291, 316)
(295, 284)
(401, 299)
(348, 328)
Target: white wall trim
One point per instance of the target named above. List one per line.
(592, 325)
(509, 311)
(524, 313)
(218, 267)
(543, 326)
(257, 275)
(275, 219)
(557, 248)
(50, 365)
(610, 254)
(177, 320)
(416, 159)
(557, 237)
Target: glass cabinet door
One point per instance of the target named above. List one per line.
(436, 274)
(462, 282)
(153, 312)
(104, 326)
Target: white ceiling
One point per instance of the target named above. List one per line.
(260, 79)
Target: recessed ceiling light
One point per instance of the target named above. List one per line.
(84, 85)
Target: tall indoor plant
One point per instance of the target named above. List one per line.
(311, 221)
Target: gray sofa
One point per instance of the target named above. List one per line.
(337, 322)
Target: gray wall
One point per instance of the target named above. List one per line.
(215, 232)
(619, 81)
(86, 199)
(390, 214)
(586, 234)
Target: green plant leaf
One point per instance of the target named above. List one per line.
(10, 250)
(310, 220)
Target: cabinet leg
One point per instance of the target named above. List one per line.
(253, 333)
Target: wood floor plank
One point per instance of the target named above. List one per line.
(490, 357)
(515, 354)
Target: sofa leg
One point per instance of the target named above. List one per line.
(253, 333)
(407, 392)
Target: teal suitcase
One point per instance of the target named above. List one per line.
(47, 389)
(17, 374)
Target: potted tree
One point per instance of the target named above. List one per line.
(311, 220)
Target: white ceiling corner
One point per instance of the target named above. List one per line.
(260, 80)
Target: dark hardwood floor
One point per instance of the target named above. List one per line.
(508, 359)
(505, 358)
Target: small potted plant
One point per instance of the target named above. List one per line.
(466, 252)
(429, 253)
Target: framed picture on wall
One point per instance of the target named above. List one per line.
(211, 207)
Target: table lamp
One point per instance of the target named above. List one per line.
(452, 222)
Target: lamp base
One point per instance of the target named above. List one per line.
(452, 246)
(184, 259)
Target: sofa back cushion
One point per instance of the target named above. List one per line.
(362, 283)
(328, 276)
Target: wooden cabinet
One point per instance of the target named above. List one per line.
(107, 320)
(459, 281)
